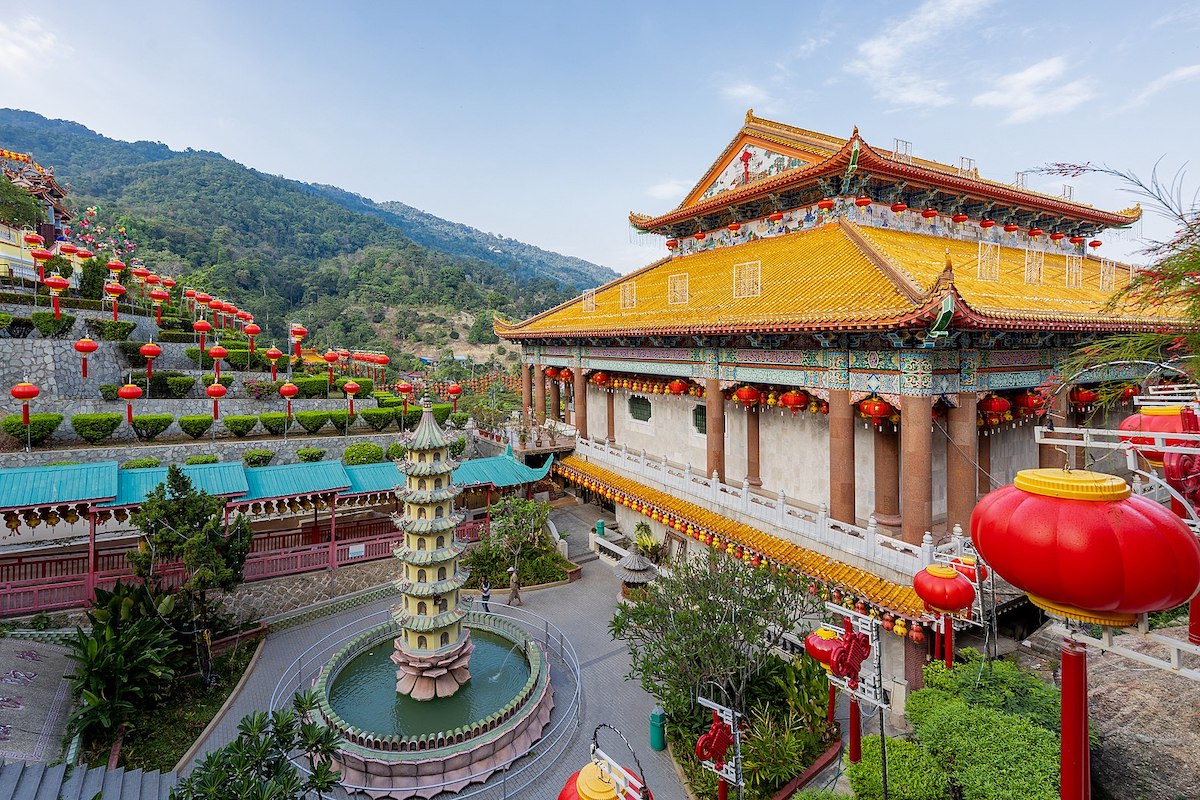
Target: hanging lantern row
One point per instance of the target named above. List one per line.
(848, 598)
(51, 515)
(1083, 399)
(642, 385)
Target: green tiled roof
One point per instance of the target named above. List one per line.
(428, 436)
(500, 471)
(290, 480)
(381, 477)
(29, 487)
(226, 479)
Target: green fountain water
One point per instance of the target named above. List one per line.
(364, 694)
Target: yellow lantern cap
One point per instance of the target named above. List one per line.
(1160, 411)
(1073, 485)
(594, 783)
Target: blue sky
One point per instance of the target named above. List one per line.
(548, 122)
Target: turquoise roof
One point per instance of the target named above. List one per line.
(30, 487)
(428, 436)
(500, 471)
(366, 478)
(225, 479)
(292, 480)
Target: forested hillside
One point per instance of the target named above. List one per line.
(352, 271)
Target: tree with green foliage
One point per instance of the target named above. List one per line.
(258, 764)
(184, 526)
(517, 522)
(482, 331)
(18, 208)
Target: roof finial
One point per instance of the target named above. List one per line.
(854, 134)
(749, 115)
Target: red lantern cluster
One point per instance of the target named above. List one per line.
(876, 411)
(1083, 399)
(995, 410)
(747, 396)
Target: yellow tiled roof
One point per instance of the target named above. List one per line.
(894, 597)
(812, 276)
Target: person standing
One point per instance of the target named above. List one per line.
(514, 588)
(485, 594)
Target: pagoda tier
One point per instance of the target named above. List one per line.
(433, 651)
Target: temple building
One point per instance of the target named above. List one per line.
(433, 651)
(835, 357)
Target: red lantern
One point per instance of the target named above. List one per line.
(929, 213)
(251, 330)
(1094, 243)
(158, 297)
(565, 375)
(114, 292)
(987, 223)
(202, 327)
(775, 216)
(734, 227)
(40, 257)
(677, 386)
(1035, 232)
(129, 392)
(272, 354)
(1128, 392)
(85, 347)
(216, 391)
(600, 378)
(405, 389)
(1082, 546)
(747, 395)
(24, 392)
(1076, 240)
(150, 351)
(959, 218)
(794, 400)
(454, 390)
(169, 284)
(57, 284)
(1012, 227)
(672, 244)
(1030, 403)
(32, 239)
(994, 407)
(1057, 237)
(85, 255)
(943, 589)
(551, 373)
(969, 568)
(153, 280)
(297, 334)
(383, 359)
(875, 410)
(216, 353)
(820, 645)
(916, 633)
(67, 249)
(288, 391)
(699, 237)
(331, 358)
(1156, 419)
(899, 207)
(825, 204)
(1082, 398)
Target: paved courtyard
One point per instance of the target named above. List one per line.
(582, 610)
(35, 699)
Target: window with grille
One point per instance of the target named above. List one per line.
(1108, 275)
(1035, 266)
(677, 289)
(988, 264)
(589, 301)
(628, 295)
(1074, 271)
(700, 419)
(639, 409)
(747, 279)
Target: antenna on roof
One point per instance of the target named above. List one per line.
(966, 167)
(902, 151)
(1068, 192)
(1019, 180)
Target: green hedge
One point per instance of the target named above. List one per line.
(108, 391)
(459, 418)
(342, 420)
(17, 298)
(207, 379)
(196, 425)
(240, 425)
(178, 337)
(396, 451)
(51, 328)
(130, 350)
(378, 418)
(274, 422)
(5, 320)
(41, 427)
(180, 386)
(202, 360)
(362, 453)
(205, 459)
(20, 328)
(109, 331)
(312, 421)
(145, 462)
(366, 386)
(310, 453)
(95, 428)
(149, 426)
(912, 773)
(257, 458)
(311, 387)
(458, 446)
(242, 360)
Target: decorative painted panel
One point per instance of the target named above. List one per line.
(916, 376)
(753, 163)
(802, 358)
(647, 353)
(968, 370)
(805, 379)
(874, 359)
(1023, 379)
(837, 369)
(645, 367)
(875, 383)
(1012, 358)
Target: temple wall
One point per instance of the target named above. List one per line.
(795, 455)
(668, 433)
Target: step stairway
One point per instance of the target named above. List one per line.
(36, 780)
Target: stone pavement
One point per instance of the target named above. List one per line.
(35, 699)
(582, 610)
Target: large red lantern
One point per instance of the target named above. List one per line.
(1082, 546)
(987, 223)
(129, 392)
(994, 407)
(251, 331)
(297, 334)
(273, 354)
(216, 353)
(288, 391)
(677, 386)
(946, 591)
(875, 410)
(1057, 236)
(67, 249)
(862, 201)
(40, 257)
(595, 782)
(1011, 227)
(929, 213)
(454, 390)
(350, 388)
(57, 284)
(959, 218)
(969, 568)
(383, 359)
(899, 207)
(140, 274)
(565, 375)
(820, 645)
(600, 378)
(149, 351)
(1030, 403)
(747, 395)
(794, 400)
(159, 296)
(202, 327)
(775, 216)
(551, 373)
(24, 392)
(825, 204)
(1035, 232)
(1082, 398)
(114, 291)
(1155, 419)
(405, 389)
(216, 391)
(330, 358)
(85, 347)
(32, 239)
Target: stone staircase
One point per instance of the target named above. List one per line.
(35, 780)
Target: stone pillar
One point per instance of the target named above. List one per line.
(841, 456)
(916, 468)
(581, 431)
(1048, 456)
(962, 455)
(539, 393)
(526, 388)
(753, 418)
(611, 401)
(714, 406)
(554, 409)
(887, 478)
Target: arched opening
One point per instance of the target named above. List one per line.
(445, 638)
(421, 543)
(439, 512)
(420, 576)
(421, 512)
(443, 604)
(422, 642)
(437, 483)
(422, 609)
(441, 573)
(441, 542)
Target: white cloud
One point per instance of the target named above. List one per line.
(747, 94)
(1164, 82)
(668, 190)
(25, 45)
(1036, 91)
(892, 61)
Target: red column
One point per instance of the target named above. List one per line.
(332, 531)
(539, 393)
(752, 448)
(916, 468)
(832, 703)
(554, 407)
(855, 732)
(612, 419)
(714, 403)
(580, 395)
(1075, 764)
(841, 456)
(948, 639)
(91, 576)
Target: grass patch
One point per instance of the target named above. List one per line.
(163, 736)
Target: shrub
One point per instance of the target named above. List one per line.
(312, 421)
(458, 446)
(49, 327)
(110, 331)
(441, 412)
(148, 426)
(378, 418)
(342, 420)
(132, 354)
(141, 463)
(195, 425)
(108, 391)
(95, 428)
(20, 327)
(205, 459)
(923, 702)
(912, 773)
(242, 360)
(5, 321)
(274, 421)
(41, 427)
(63, 463)
(261, 390)
(396, 451)
(240, 425)
(180, 386)
(201, 360)
(311, 386)
(310, 453)
(257, 458)
(362, 453)
(208, 379)
(997, 684)
(459, 418)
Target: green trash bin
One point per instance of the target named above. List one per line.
(658, 729)
(600, 528)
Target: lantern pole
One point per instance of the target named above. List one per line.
(1075, 777)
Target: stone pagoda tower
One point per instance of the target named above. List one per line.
(434, 649)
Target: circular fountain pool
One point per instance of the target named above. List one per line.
(363, 692)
